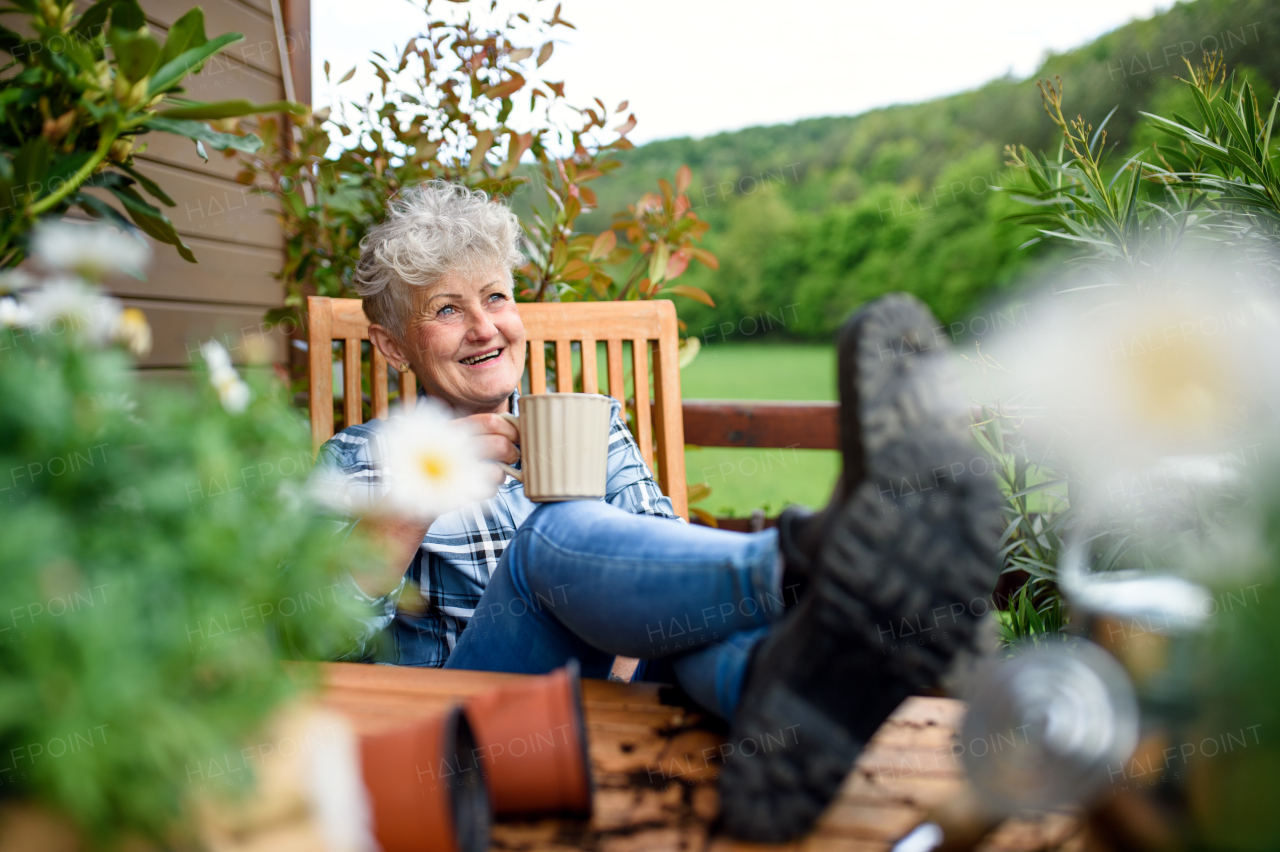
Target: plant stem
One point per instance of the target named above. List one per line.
(82, 174)
(631, 279)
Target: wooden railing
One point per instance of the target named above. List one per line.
(748, 423)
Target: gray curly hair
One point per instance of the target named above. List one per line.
(431, 230)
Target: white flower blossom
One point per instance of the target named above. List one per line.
(93, 251)
(232, 391)
(432, 463)
(66, 304)
(13, 313)
(216, 357)
(1126, 377)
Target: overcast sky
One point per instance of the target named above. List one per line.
(697, 67)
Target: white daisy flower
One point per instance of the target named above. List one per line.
(1132, 376)
(232, 391)
(13, 313)
(432, 463)
(94, 251)
(234, 395)
(68, 304)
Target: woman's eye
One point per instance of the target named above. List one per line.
(498, 297)
(446, 311)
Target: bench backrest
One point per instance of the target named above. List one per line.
(641, 324)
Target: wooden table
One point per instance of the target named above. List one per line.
(656, 763)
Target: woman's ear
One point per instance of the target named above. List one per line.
(388, 346)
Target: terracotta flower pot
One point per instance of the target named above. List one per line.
(425, 788)
(533, 744)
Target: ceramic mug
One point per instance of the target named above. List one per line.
(564, 446)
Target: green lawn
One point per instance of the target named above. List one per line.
(740, 479)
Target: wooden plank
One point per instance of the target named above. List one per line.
(261, 5)
(352, 412)
(215, 208)
(258, 49)
(877, 821)
(640, 381)
(564, 366)
(320, 368)
(590, 367)
(744, 423)
(668, 418)
(178, 329)
(537, 367)
(613, 363)
(378, 383)
(570, 321)
(224, 77)
(349, 319)
(225, 273)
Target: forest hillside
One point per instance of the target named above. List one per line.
(813, 218)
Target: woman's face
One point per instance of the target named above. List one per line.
(465, 340)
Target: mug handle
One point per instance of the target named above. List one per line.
(508, 469)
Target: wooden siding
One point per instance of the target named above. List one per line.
(233, 232)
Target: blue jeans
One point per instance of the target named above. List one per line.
(589, 581)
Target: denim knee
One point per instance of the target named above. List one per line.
(520, 558)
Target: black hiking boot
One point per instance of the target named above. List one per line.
(893, 567)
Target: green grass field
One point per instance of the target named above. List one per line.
(741, 479)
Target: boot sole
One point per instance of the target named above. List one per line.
(904, 559)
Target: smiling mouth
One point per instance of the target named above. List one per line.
(481, 358)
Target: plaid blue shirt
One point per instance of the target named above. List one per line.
(419, 622)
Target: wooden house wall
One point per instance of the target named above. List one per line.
(232, 231)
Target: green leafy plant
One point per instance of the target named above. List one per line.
(1037, 514)
(76, 99)
(1108, 218)
(445, 111)
(159, 561)
(1228, 155)
(1027, 620)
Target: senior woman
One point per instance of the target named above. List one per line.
(791, 634)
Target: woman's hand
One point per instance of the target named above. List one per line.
(499, 440)
(399, 538)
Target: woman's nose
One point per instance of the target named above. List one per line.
(480, 326)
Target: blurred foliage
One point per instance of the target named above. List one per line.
(1218, 698)
(445, 111)
(76, 98)
(158, 563)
